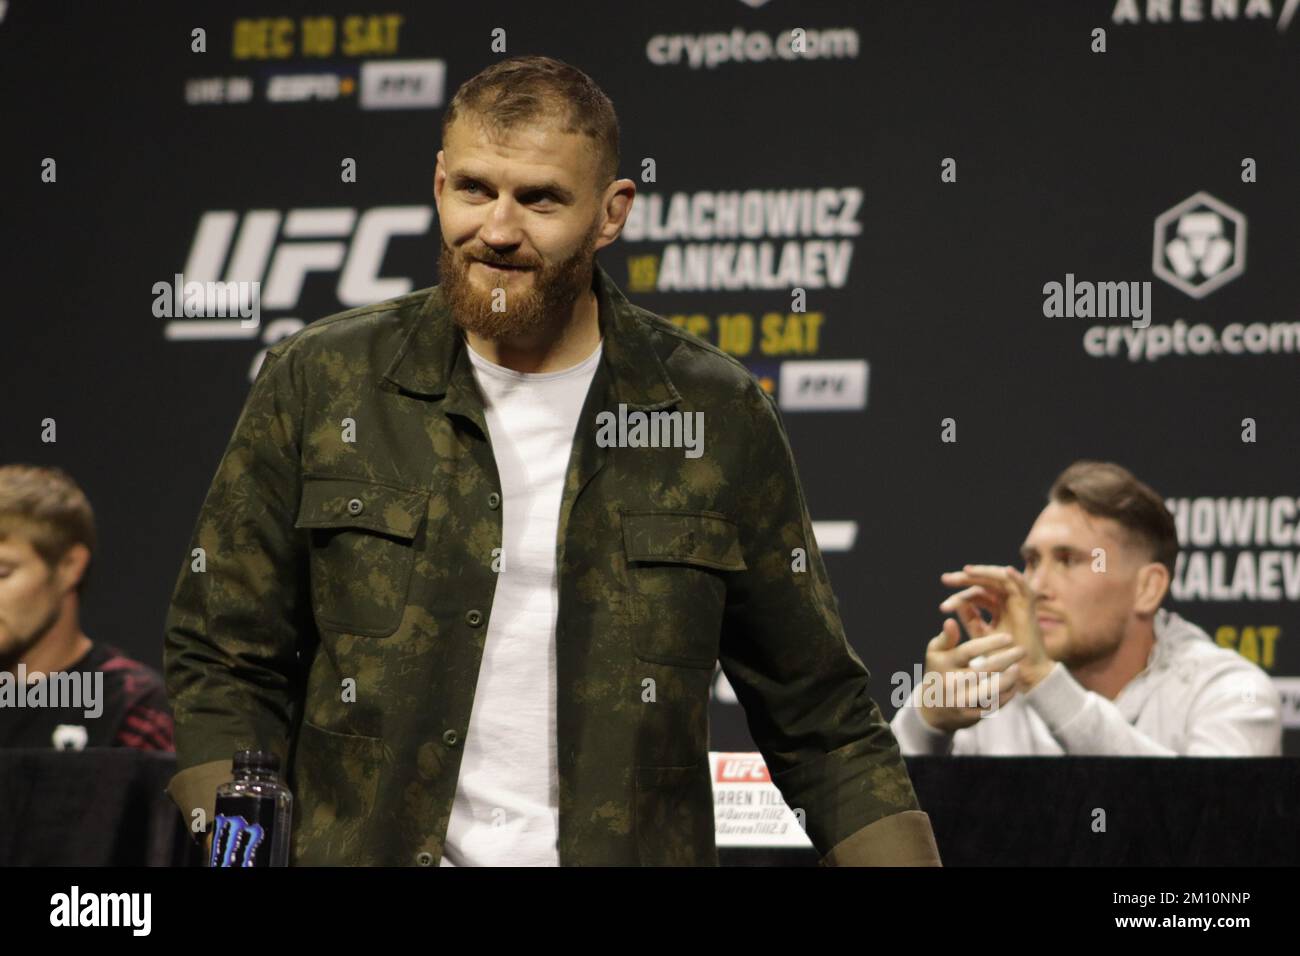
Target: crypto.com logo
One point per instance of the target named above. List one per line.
(1199, 245)
(280, 249)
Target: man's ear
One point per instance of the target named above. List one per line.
(439, 177)
(72, 566)
(616, 205)
(1152, 583)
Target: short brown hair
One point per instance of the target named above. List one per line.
(46, 507)
(528, 89)
(1108, 490)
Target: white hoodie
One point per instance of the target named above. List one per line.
(1193, 699)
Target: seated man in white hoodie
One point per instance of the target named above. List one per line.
(1079, 655)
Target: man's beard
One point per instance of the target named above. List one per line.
(15, 650)
(530, 305)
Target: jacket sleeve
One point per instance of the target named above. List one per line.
(1236, 713)
(804, 689)
(235, 620)
(915, 736)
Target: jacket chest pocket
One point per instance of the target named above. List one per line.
(362, 551)
(677, 565)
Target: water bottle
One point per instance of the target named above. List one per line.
(254, 812)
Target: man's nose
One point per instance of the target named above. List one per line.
(1037, 578)
(502, 229)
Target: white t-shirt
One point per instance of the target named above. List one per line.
(506, 811)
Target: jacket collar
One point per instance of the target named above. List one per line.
(431, 362)
(1173, 632)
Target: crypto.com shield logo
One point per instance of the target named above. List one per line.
(1200, 244)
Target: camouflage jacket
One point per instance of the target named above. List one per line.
(349, 533)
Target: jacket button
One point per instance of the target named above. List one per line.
(424, 858)
(356, 506)
(494, 501)
(449, 738)
(474, 618)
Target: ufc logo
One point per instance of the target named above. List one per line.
(742, 768)
(279, 250)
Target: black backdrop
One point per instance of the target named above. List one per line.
(1066, 161)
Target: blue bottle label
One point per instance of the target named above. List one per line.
(243, 831)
